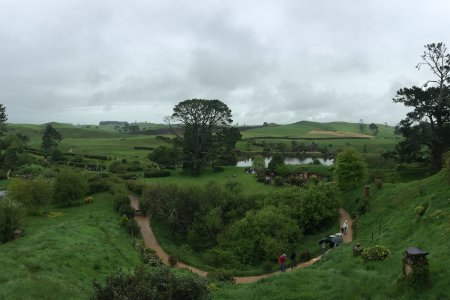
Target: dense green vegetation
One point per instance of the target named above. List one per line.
(394, 223)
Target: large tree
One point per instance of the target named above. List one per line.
(427, 127)
(201, 121)
(50, 139)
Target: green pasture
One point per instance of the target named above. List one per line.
(60, 255)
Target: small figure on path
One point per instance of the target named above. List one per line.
(293, 259)
(282, 262)
(345, 227)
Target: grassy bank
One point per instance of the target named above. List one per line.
(62, 253)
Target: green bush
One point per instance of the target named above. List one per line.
(144, 205)
(149, 257)
(69, 188)
(151, 283)
(219, 257)
(33, 194)
(135, 187)
(375, 253)
(278, 181)
(12, 217)
(120, 200)
(156, 173)
(132, 227)
(421, 209)
(127, 210)
(98, 184)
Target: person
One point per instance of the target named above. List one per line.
(294, 259)
(345, 227)
(282, 262)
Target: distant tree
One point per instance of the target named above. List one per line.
(350, 169)
(166, 157)
(259, 165)
(50, 139)
(3, 119)
(428, 125)
(201, 120)
(374, 128)
(265, 124)
(24, 139)
(225, 144)
(397, 130)
(69, 187)
(134, 128)
(361, 126)
(276, 161)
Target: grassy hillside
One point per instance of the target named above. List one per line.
(394, 223)
(60, 255)
(306, 129)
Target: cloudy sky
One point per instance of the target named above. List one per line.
(83, 61)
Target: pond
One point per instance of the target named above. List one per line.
(289, 161)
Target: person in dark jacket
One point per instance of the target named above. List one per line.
(293, 259)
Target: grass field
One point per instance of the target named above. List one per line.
(340, 275)
(60, 256)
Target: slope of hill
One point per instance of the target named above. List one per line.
(394, 223)
(307, 129)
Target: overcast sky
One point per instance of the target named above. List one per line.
(78, 61)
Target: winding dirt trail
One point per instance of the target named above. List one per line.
(150, 241)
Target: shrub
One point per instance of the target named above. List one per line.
(375, 253)
(98, 184)
(33, 194)
(149, 257)
(127, 210)
(69, 188)
(151, 283)
(120, 200)
(88, 200)
(156, 173)
(132, 227)
(278, 181)
(421, 209)
(135, 187)
(12, 217)
(144, 205)
(219, 257)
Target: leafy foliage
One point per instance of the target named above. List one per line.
(350, 169)
(428, 125)
(277, 160)
(202, 121)
(69, 187)
(166, 157)
(12, 217)
(375, 253)
(151, 283)
(33, 194)
(50, 139)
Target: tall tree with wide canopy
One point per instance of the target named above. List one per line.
(427, 127)
(201, 120)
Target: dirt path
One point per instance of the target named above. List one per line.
(150, 241)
